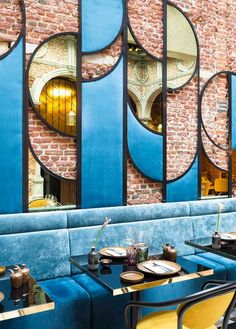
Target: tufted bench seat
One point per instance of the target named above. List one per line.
(45, 241)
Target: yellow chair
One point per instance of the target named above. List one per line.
(221, 185)
(39, 203)
(199, 311)
(206, 186)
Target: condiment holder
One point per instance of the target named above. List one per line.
(19, 276)
(169, 252)
(25, 271)
(105, 262)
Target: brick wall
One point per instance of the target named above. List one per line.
(215, 25)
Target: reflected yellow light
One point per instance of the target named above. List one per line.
(61, 92)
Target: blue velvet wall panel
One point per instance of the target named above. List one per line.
(146, 148)
(102, 141)
(233, 95)
(11, 102)
(185, 188)
(101, 23)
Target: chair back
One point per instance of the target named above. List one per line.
(205, 312)
(221, 185)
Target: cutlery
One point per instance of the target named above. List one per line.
(163, 267)
(115, 251)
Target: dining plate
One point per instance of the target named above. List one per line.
(159, 267)
(132, 276)
(228, 236)
(115, 252)
(1, 296)
(2, 270)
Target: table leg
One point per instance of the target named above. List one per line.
(136, 312)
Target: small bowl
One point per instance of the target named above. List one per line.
(2, 270)
(105, 262)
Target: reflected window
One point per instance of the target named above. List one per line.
(58, 105)
(144, 86)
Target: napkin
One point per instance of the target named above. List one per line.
(159, 268)
(116, 252)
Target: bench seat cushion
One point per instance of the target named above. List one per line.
(46, 253)
(107, 310)
(229, 264)
(72, 308)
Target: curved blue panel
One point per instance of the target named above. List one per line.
(233, 95)
(146, 148)
(102, 141)
(11, 102)
(101, 23)
(185, 188)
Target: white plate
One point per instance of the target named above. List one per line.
(228, 236)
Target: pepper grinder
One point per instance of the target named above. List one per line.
(16, 278)
(25, 271)
(172, 254)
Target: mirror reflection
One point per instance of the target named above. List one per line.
(48, 192)
(52, 77)
(11, 24)
(145, 86)
(214, 182)
(181, 49)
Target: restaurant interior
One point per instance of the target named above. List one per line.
(117, 167)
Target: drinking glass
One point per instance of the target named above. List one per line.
(131, 255)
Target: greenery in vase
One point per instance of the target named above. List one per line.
(106, 222)
(220, 207)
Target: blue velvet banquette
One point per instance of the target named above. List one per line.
(45, 241)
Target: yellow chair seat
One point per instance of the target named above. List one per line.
(162, 320)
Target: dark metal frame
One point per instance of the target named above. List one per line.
(189, 301)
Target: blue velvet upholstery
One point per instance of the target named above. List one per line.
(145, 148)
(156, 232)
(46, 253)
(204, 226)
(102, 149)
(91, 217)
(11, 127)
(50, 238)
(107, 310)
(31, 222)
(230, 265)
(72, 308)
(101, 23)
(208, 207)
(177, 191)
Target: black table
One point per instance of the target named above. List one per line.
(109, 278)
(28, 299)
(228, 249)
